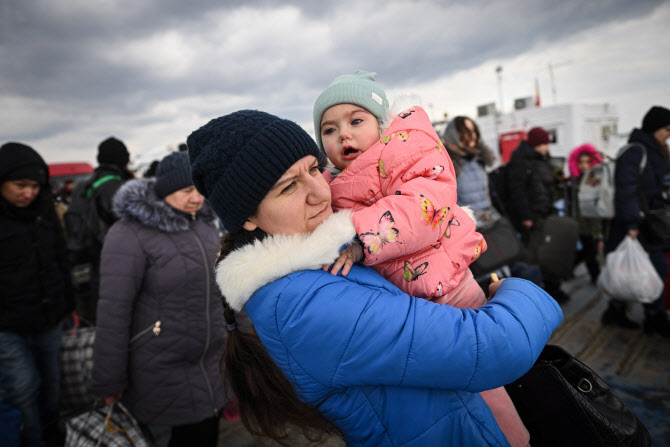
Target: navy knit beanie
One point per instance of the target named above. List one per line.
(236, 159)
(172, 174)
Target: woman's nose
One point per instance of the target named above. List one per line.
(318, 190)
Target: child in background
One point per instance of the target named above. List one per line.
(581, 159)
(395, 175)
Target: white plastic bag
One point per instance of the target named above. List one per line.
(629, 274)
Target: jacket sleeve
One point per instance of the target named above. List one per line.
(516, 176)
(419, 195)
(375, 338)
(626, 179)
(122, 265)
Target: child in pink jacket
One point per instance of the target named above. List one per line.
(401, 187)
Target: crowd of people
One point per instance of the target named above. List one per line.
(324, 284)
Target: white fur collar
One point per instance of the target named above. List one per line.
(249, 268)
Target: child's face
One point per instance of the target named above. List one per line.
(584, 163)
(347, 130)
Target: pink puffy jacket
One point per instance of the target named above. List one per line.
(403, 194)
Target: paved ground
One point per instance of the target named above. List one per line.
(637, 367)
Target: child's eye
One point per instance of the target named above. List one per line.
(356, 121)
(328, 131)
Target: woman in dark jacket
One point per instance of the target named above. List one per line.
(160, 322)
(629, 218)
(35, 291)
(531, 186)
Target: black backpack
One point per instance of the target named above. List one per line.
(498, 188)
(84, 230)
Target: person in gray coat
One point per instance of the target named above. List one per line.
(160, 320)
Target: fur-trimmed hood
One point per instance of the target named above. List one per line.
(249, 268)
(136, 201)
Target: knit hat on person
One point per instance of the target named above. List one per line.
(360, 89)
(113, 152)
(172, 174)
(655, 118)
(236, 159)
(19, 161)
(538, 136)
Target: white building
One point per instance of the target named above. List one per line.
(569, 124)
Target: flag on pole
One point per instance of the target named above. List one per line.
(537, 93)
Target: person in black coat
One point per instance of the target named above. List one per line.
(531, 187)
(629, 218)
(113, 158)
(35, 292)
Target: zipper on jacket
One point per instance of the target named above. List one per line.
(208, 318)
(155, 328)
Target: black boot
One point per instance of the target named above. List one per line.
(554, 289)
(616, 314)
(657, 323)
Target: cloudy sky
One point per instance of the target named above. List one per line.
(149, 72)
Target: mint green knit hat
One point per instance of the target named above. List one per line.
(359, 88)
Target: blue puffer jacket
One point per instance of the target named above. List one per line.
(387, 368)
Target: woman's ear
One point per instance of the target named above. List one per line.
(249, 225)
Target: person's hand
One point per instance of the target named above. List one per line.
(527, 223)
(350, 255)
(493, 287)
(634, 233)
(110, 400)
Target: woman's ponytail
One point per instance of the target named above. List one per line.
(269, 404)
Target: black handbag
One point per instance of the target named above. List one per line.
(503, 247)
(562, 402)
(657, 223)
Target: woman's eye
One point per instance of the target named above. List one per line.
(314, 170)
(288, 188)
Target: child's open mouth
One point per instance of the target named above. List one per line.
(349, 153)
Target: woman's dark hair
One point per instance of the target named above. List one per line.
(462, 129)
(269, 404)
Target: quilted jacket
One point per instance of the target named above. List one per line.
(387, 368)
(403, 193)
(160, 329)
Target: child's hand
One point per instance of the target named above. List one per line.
(350, 255)
(495, 283)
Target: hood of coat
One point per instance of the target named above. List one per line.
(136, 201)
(573, 159)
(249, 268)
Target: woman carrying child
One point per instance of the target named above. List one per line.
(396, 176)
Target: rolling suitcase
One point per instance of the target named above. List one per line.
(552, 245)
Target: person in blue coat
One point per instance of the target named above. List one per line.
(351, 355)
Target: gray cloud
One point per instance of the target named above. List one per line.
(121, 59)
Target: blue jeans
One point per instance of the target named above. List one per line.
(30, 378)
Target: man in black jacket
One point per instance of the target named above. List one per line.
(35, 290)
(531, 186)
(111, 173)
